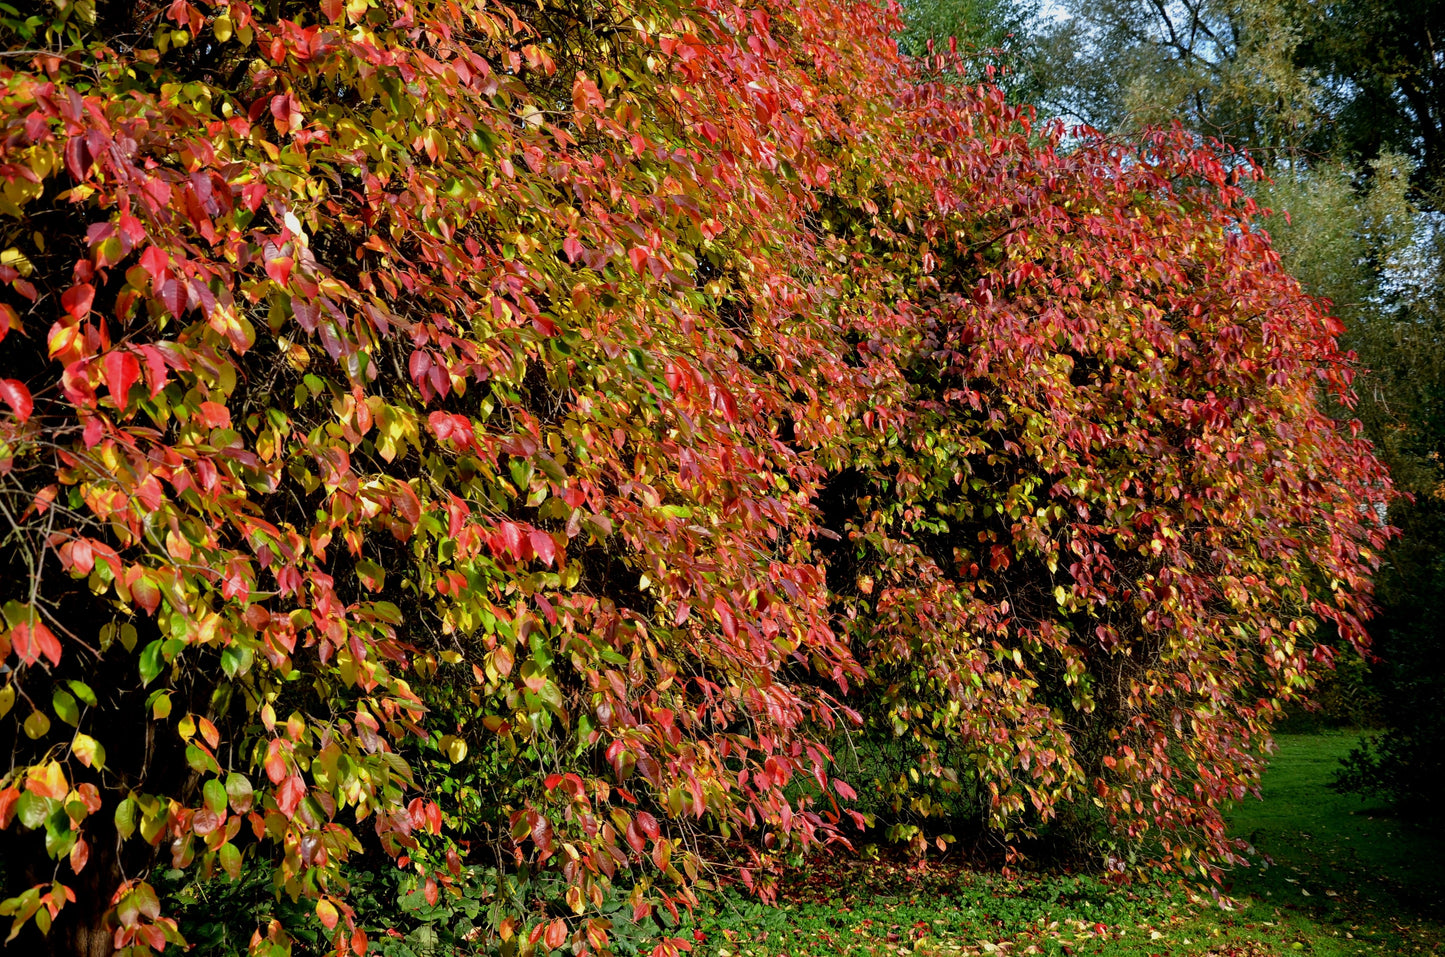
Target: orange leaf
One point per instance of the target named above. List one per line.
(556, 934)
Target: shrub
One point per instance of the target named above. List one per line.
(467, 436)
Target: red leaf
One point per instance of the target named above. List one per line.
(175, 296)
(306, 313)
(156, 263)
(502, 660)
(92, 431)
(275, 763)
(725, 616)
(8, 797)
(16, 396)
(209, 732)
(8, 320)
(333, 10)
(121, 372)
(80, 555)
(146, 594)
(49, 646)
(77, 157)
(286, 111)
(728, 404)
(542, 835)
(440, 380)
(77, 300)
(75, 383)
(25, 649)
(511, 534)
(544, 545)
(79, 855)
(419, 365)
(33, 639)
(132, 230)
(279, 269)
(289, 796)
(451, 427)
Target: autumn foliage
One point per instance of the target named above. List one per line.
(533, 436)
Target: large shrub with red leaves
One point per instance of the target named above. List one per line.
(515, 442)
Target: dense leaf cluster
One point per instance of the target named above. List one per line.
(521, 442)
(1343, 105)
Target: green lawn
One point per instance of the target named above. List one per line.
(1346, 879)
(1344, 869)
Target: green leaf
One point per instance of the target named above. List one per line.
(215, 795)
(125, 813)
(32, 809)
(371, 574)
(200, 761)
(82, 691)
(236, 660)
(153, 824)
(66, 708)
(238, 789)
(230, 859)
(541, 650)
(36, 725)
(150, 662)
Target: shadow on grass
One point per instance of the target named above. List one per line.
(1340, 879)
(1345, 864)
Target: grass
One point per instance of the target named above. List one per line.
(1342, 868)
(1337, 878)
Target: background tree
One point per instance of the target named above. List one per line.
(1383, 80)
(997, 39)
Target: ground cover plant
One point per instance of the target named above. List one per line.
(494, 456)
